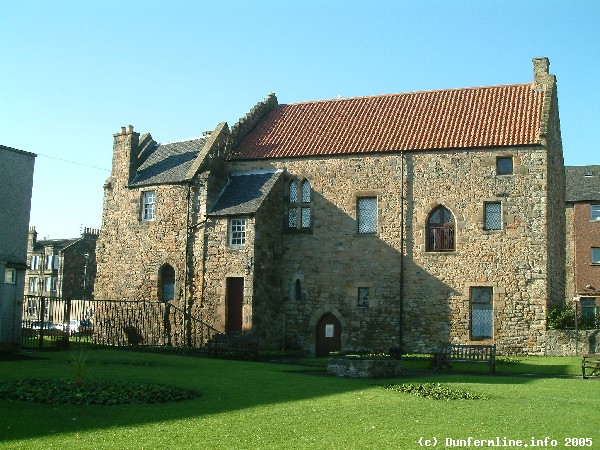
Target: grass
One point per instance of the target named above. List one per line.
(258, 405)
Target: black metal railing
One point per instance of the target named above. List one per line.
(62, 323)
(440, 239)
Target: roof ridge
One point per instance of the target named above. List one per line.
(182, 140)
(341, 99)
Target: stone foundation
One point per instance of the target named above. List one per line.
(364, 367)
(563, 342)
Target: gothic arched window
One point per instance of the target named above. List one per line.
(440, 231)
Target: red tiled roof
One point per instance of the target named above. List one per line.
(458, 118)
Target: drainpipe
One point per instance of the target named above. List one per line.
(187, 308)
(401, 326)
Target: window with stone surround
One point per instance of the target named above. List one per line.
(504, 165)
(492, 212)
(482, 312)
(594, 212)
(167, 283)
(237, 232)
(50, 284)
(589, 312)
(299, 205)
(440, 231)
(148, 205)
(595, 255)
(10, 276)
(33, 284)
(366, 215)
(363, 297)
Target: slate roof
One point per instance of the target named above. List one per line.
(446, 119)
(168, 163)
(581, 188)
(244, 193)
(61, 243)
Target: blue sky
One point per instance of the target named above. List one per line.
(74, 72)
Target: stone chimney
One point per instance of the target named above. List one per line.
(125, 155)
(31, 239)
(542, 79)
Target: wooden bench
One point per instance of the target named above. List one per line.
(485, 354)
(590, 361)
(245, 344)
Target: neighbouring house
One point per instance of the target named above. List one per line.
(583, 241)
(402, 220)
(63, 268)
(16, 167)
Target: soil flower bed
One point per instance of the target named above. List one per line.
(61, 391)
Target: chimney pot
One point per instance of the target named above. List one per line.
(123, 130)
(130, 129)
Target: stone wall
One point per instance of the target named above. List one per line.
(564, 342)
(334, 260)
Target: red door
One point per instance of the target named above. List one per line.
(329, 335)
(234, 301)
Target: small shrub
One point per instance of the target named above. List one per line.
(435, 391)
(91, 392)
(561, 318)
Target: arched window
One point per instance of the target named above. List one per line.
(298, 290)
(440, 231)
(299, 205)
(167, 283)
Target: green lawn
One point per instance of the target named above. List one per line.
(255, 405)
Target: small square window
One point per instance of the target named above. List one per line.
(595, 255)
(363, 297)
(148, 199)
(493, 216)
(504, 165)
(10, 276)
(367, 215)
(237, 232)
(595, 212)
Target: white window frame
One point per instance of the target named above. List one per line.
(595, 212)
(148, 206)
(33, 284)
(35, 262)
(237, 232)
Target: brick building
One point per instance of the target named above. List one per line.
(583, 240)
(403, 220)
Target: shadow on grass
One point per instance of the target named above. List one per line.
(225, 386)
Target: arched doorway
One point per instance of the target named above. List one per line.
(329, 335)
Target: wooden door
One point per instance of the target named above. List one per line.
(234, 301)
(329, 335)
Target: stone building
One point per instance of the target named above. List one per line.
(583, 240)
(403, 220)
(62, 267)
(16, 169)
